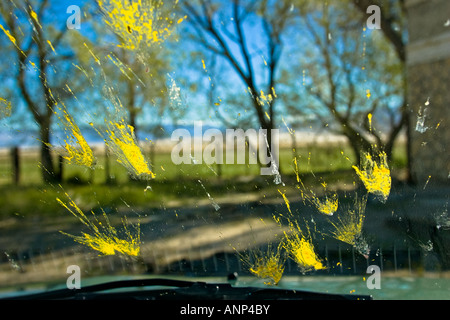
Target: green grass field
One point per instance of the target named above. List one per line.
(173, 182)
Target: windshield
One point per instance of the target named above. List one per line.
(292, 145)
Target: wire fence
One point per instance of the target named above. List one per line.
(48, 263)
(338, 261)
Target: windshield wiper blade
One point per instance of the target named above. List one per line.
(95, 288)
(180, 290)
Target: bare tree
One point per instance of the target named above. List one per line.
(392, 21)
(223, 31)
(140, 68)
(141, 88)
(393, 25)
(34, 44)
(353, 81)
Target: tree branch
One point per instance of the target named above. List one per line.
(395, 37)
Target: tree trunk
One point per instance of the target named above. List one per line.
(358, 143)
(268, 150)
(47, 165)
(15, 164)
(108, 179)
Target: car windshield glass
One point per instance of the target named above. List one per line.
(292, 145)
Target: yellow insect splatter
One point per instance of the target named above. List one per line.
(296, 169)
(300, 248)
(12, 39)
(375, 176)
(96, 59)
(76, 147)
(266, 265)
(122, 141)
(328, 205)
(126, 70)
(266, 98)
(290, 130)
(286, 200)
(8, 34)
(104, 238)
(369, 118)
(5, 108)
(349, 226)
(51, 46)
(140, 22)
(35, 17)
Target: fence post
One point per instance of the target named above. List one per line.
(395, 258)
(152, 154)
(340, 259)
(60, 168)
(108, 179)
(91, 169)
(15, 164)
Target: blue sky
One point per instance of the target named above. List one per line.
(197, 105)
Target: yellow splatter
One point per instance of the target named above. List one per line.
(51, 46)
(286, 200)
(274, 93)
(70, 91)
(301, 250)
(139, 22)
(8, 34)
(290, 130)
(369, 118)
(122, 141)
(328, 205)
(426, 182)
(5, 108)
(349, 226)
(368, 93)
(126, 70)
(35, 17)
(76, 147)
(266, 265)
(96, 59)
(12, 39)
(375, 176)
(296, 169)
(85, 73)
(104, 238)
(119, 64)
(297, 243)
(33, 65)
(264, 60)
(266, 99)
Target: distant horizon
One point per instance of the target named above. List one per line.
(29, 138)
